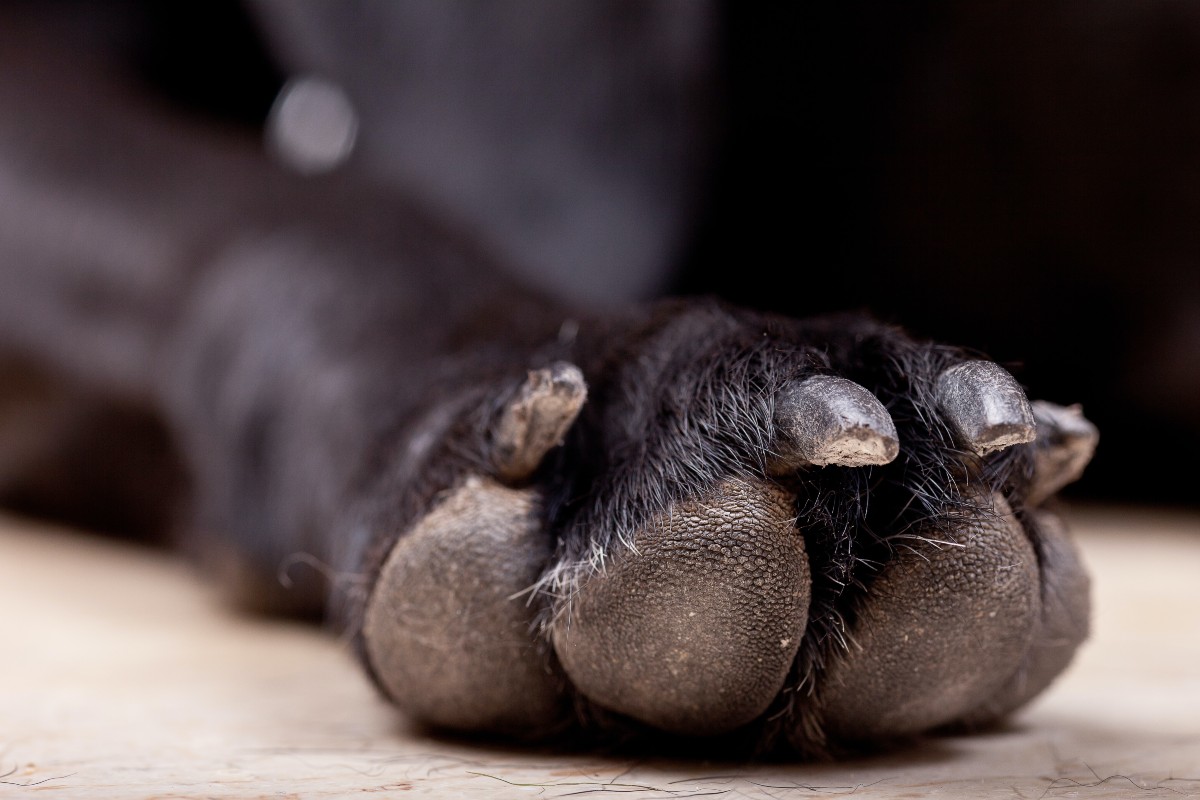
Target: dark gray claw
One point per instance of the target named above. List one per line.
(985, 406)
(826, 420)
(1066, 443)
(537, 419)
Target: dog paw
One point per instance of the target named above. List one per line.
(806, 536)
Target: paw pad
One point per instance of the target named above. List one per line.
(828, 573)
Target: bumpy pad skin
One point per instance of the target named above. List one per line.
(694, 629)
(940, 630)
(1061, 627)
(444, 633)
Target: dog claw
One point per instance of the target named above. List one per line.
(827, 420)
(537, 419)
(985, 406)
(1066, 443)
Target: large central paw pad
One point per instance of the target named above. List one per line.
(847, 565)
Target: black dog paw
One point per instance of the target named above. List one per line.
(801, 535)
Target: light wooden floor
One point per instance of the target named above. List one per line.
(120, 677)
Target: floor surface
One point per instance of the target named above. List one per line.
(121, 677)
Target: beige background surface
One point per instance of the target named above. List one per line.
(121, 677)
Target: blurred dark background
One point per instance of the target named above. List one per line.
(1021, 178)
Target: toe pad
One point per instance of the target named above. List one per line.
(694, 629)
